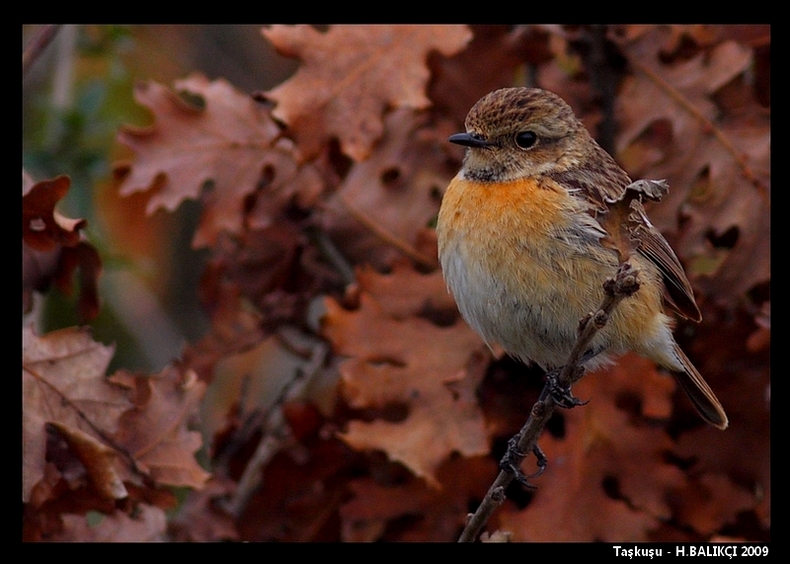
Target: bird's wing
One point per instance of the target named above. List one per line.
(652, 245)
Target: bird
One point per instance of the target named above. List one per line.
(526, 238)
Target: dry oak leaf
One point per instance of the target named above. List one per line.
(673, 92)
(157, 431)
(52, 247)
(493, 58)
(407, 293)
(235, 326)
(429, 370)
(231, 140)
(351, 74)
(63, 384)
(717, 164)
(607, 479)
(99, 461)
(43, 228)
(385, 200)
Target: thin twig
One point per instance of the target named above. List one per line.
(277, 434)
(41, 39)
(624, 284)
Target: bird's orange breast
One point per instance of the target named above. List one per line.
(471, 207)
(524, 267)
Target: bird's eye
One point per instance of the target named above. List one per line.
(526, 139)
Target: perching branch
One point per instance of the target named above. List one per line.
(625, 283)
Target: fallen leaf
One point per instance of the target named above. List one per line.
(85, 258)
(99, 460)
(200, 520)
(300, 493)
(742, 381)
(408, 294)
(493, 57)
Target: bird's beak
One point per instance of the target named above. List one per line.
(469, 140)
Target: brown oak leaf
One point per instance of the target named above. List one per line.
(156, 433)
(98, 459)
(350, 75)
(298, 498)
(408, 294)
(742, 380)
(63, 383)
(53, 247)
(383, 203)
(493, 57)
(235, 327)
(43, 228)
(430, 371)
(716, 160)
(229, 140)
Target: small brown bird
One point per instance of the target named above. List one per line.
(526, 241)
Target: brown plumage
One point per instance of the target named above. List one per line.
(527, 236)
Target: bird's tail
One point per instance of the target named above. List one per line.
(699, 392)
